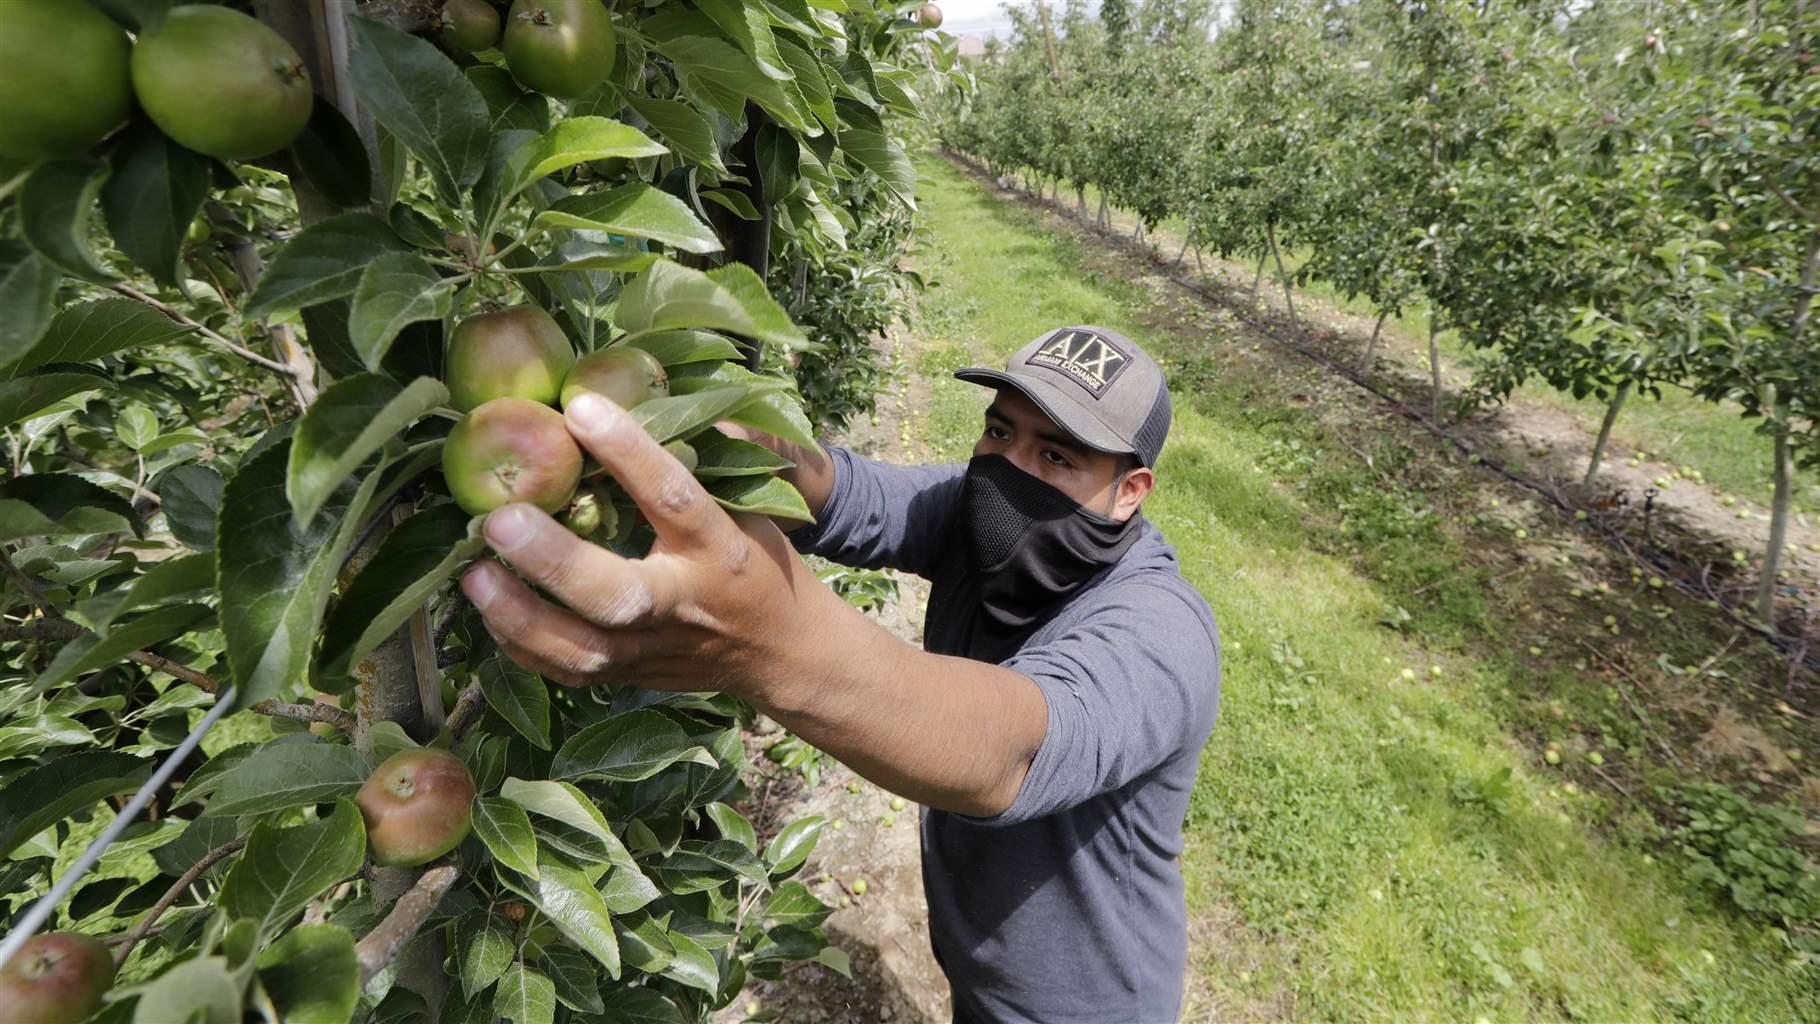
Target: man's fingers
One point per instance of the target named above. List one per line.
(600, 586)
(683, 514)
(544, 638)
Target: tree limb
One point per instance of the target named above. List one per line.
(240, 350)
(328, 714)
(177, 889)
(467, 708)
(383, 944)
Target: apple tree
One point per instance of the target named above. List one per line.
(290, 293)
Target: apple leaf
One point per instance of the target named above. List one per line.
(39, 797)
(683, 127)
(289, 774)
(794, 905)
(418, 556)
(680, 416)
(312, 974)
(565, 894)
(283, 869)
(396, 290)
(573, 141)
(679, 347)
(637, 210)
(323, 262)
(90, 652)
(505, 828)
(787, 851)
(28, 286)
(32, 394)
(183, 576)
(151, 198)
(347, 423)
(730, 298)
(190, 496)
(577, 981)
(61, 505)
(483, 948)
(625, 748)
(717, 455)
(525, 996)
(691, 965)
(424, 101)
(697, 866)
(54, 209)
(761, 495)
(275, 575)
(90, 330)
(520, 696)
(199, 991)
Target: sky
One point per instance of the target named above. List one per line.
(984, 18)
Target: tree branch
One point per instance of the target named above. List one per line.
(383, 944)
(1800, 211)
(467, 708)
(403, 15)
(240, 350)
(327, 714)
(177, 889)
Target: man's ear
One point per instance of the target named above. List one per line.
(1133, 489)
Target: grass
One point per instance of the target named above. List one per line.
(1677, 428)
(1393, 846)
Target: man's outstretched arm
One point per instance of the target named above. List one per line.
(723, 603)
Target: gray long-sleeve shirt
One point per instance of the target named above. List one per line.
(1067, 907)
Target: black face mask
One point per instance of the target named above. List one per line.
(1033, 546)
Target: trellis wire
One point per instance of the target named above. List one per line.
(41, 911)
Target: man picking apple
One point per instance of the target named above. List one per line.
(1053, 721)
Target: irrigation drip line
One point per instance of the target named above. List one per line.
(1666, 567)
(41, 911)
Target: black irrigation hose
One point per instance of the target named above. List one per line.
(1666, 567)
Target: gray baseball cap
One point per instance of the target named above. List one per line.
(1094, 383)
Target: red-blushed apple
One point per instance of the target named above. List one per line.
(55, 978)
(519, 352)
(507, 450)
(628, 376)
(418, 805)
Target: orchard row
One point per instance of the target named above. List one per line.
(1598, 196)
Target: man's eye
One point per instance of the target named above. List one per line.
(1055, 458)
(997, 433)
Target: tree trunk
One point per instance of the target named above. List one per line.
(1137, 233)
(1080, 203)
(1778, 522)
(751, 242)
(1434, 367)
(1288, 292)
(390, 682)
(1371, 347)
(1104, 219)
(1183, 253)
(1611, 417)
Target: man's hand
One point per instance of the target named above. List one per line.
(704, 610)
(722, 602)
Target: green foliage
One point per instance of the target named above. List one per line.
(1748, 854)
(222, 385)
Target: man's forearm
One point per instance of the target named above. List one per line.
(951, 733)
